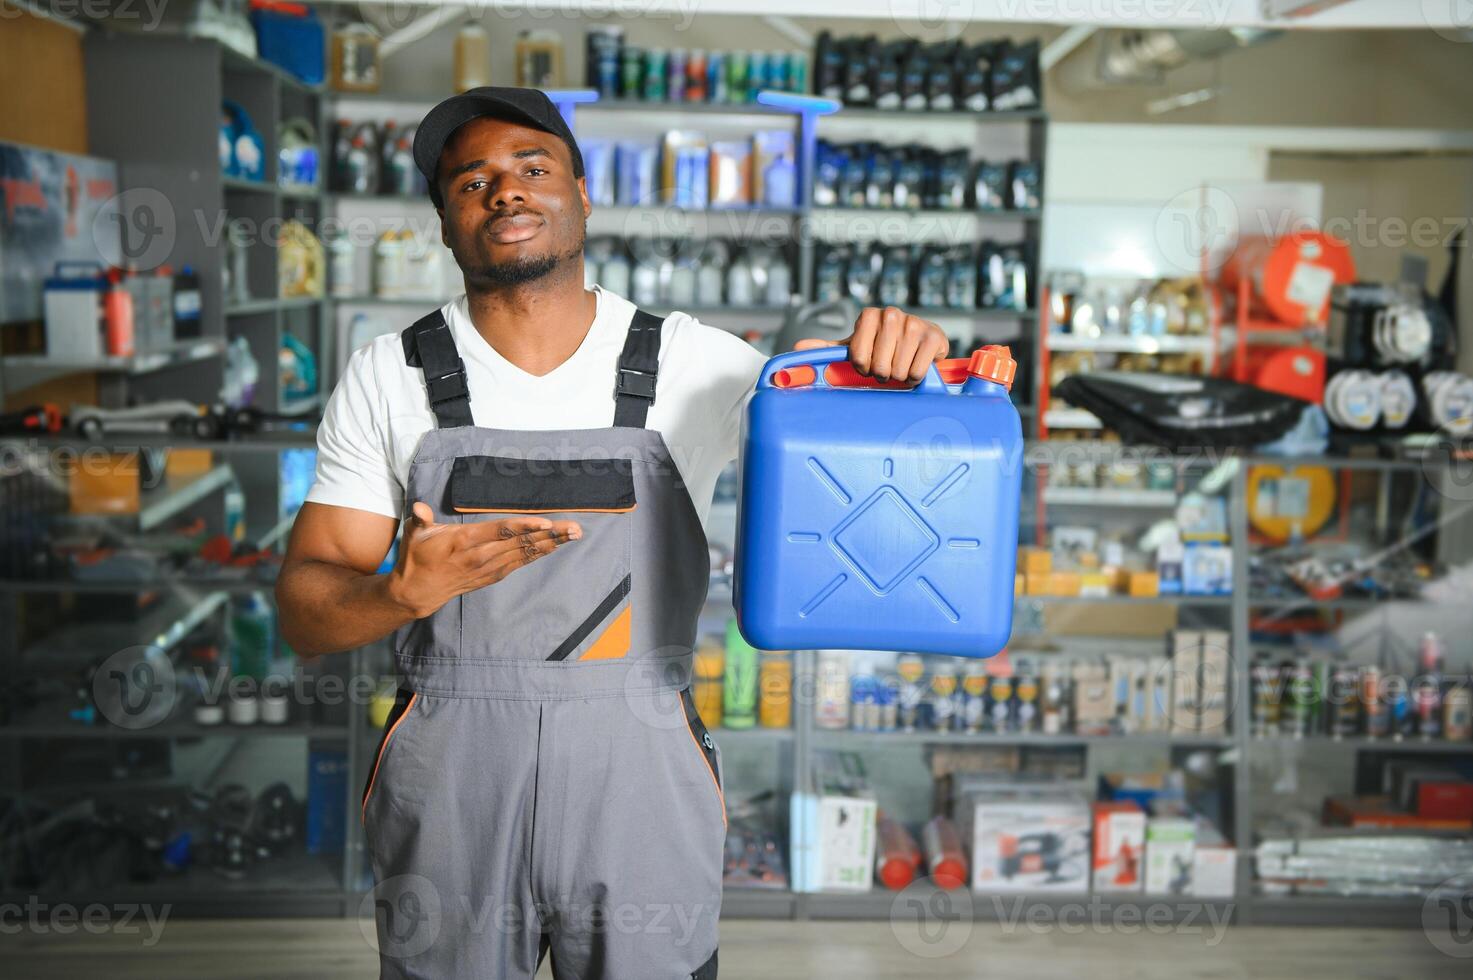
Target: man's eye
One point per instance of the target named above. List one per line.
(535, 171)
(473, 185)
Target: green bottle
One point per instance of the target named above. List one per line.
(740, 695)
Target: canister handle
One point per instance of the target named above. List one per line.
(931, 383)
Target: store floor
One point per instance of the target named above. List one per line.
(327, 949)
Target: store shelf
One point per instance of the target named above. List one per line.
(846, 213)
(299, 192)
(175, 494)
(253, 306)
(1363, 744)
(235, 61)
(300, 406)
(1068, 909)
(180, 729)
(368, 299)
(1123, 344)
(1336, 910)
(849, 737)
(1126, 600)
(269, 888)
(757, 903)
(181, 582)
(242, 186)
(867, 112)
(754, 735)
(422, 200)
(186, 352)
(162, 627)
(271, 442)
(1106, 497)
(1071, 418)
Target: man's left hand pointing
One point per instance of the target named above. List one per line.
(889, 343)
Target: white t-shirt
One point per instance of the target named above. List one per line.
(379, 409)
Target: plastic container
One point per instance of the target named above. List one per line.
(1292, 276)
(877, 519)
(945, 858)
(897, 856)
(291, 36)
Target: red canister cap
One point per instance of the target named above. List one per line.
(994, 363)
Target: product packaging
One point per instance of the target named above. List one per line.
(1027, 843)
(1119, 845)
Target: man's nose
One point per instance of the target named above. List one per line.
(505, 190)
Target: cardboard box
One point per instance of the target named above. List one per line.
(1214, 872)
(1145, 585)
(1171, 843)
(1199, 673)
(1064, 583)
(1036, 561)
(1119, 846)
(1094, 703)
(1027, 843)
(833, 827)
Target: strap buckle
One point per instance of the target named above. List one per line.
(640, 384)
(448, 387)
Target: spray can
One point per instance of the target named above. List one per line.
(888, 694)
(696, 78)
(974, 698)
(1265, 675)
(912, 671)
(675, 77)
(756, 75)
(653, 85)
(739, 698)
(1403, 720)
(1052, 701)
(1299, 700)
(1344, 701)
(716, 87)
(1000, 703)
(736, 76)
(709, 666)
(1429, 688)
(1457, 712)
(798, 72)
(777, 70)
(943, 696)
(831, 707)
(864, 711)
(775, 690)
(1378, 713)
(631, 74)
(1025, 688)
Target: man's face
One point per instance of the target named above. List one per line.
(513, 210)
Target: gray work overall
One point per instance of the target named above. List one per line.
(543, 782)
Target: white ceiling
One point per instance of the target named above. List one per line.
(1450, 18)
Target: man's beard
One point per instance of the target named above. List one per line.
(521, 271)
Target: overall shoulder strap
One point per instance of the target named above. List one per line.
(429, 345)
(639, 363)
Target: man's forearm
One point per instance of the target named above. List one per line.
(325, 608)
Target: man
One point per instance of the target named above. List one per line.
(544, 782)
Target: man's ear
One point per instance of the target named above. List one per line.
(583, 193)
(444, 230)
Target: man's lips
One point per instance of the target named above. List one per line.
(513, 227)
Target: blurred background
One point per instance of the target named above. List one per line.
(1239, 675)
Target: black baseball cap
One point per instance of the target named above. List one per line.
(527, 106)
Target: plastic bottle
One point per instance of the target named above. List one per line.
(117, 313)
(775, 690)
(831, 708)
(472, 57)
(740, 696)
(710, 665)
(187, 303)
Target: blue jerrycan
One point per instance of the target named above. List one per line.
(879, 516)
